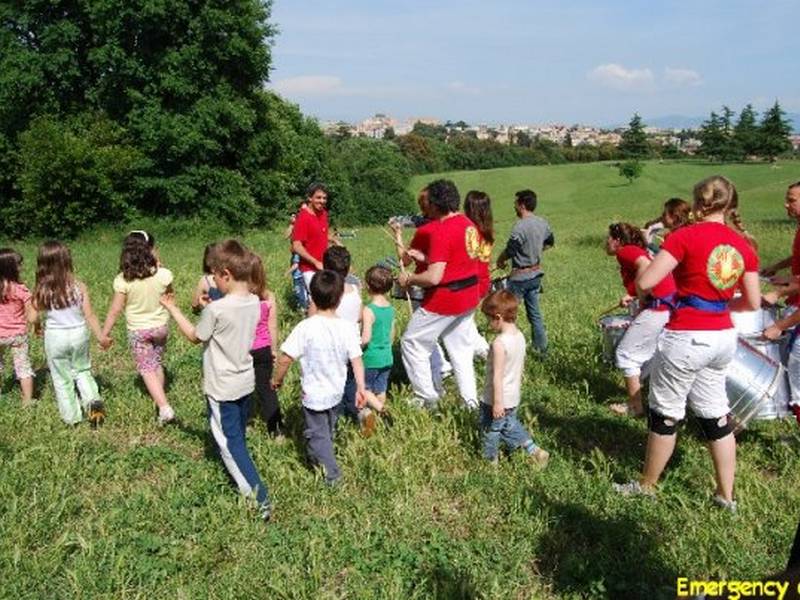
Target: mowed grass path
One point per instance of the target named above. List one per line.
(135, 511)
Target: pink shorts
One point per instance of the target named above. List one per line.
(148, 346)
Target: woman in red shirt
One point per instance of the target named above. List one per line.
(708, 260)
(626, 242)
(478, 209)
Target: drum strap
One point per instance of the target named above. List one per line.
(698, 303)
(460, 284)
(665, 302)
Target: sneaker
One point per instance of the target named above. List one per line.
(366, 418)
(540, 457)
(166, 415)
(97, 414)
(633, 488)
(729, 505)
(265, 512)
(625, 410)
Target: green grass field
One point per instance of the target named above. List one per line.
(135, 511)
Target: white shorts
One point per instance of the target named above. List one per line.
(689, 367)
(307, 277)
(638, 345)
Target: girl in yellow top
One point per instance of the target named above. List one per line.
(137, 291)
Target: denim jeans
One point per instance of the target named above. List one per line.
(528, 291)
(507, 429)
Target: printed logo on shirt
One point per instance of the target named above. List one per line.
(473, 242)
(724, 267)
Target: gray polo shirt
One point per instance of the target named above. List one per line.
(227, 327)
(525, 244)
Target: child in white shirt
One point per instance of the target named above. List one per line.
(324, 344)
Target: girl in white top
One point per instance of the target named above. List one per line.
(68, 311)
(498, 410)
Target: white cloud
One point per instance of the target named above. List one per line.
(310, 85)
(682, 77)
(618, 77)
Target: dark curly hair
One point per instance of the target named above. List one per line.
(627, 234)
(137, 260)
(443, 194)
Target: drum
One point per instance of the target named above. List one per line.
(753, 322)
(613, 328)
(756, 383)
(776, 406)
(499, 283)
(415, 292)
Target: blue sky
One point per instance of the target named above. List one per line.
(515, 61)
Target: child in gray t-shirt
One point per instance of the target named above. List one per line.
(227, 328)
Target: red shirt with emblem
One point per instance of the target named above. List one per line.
(482, 265)
(311, 229)
(627, 257)
(795, 299)
(455, 244)
(711, 260)
(422, 242)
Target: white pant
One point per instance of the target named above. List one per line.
(479, 344)
(690, 367)
(418, 342)
(638, 344)
(307, 276)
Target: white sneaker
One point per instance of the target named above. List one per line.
(166, 415)
(633, 488)
(729, 505)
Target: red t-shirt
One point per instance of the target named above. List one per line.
(456, 243)
(311, 229)
(627, 257)
(482, 265)
(795, 299)
(422, 242)
(711, 260)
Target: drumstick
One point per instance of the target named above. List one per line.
(608, 310)
(400, 247)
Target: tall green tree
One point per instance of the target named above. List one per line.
(774, 133)
(712, 136)
(729, 149)
(182, 84)
(634, 140)
(746, 132)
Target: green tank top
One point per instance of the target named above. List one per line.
(378, 353)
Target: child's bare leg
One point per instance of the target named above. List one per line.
(26, 383)
(155, 387)
(374, 402)
(162, 377)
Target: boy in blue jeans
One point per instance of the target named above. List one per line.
(498, 415)
(227, 328)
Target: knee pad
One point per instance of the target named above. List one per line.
(658, 423)
(715, 429)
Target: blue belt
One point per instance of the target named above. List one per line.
(656, 303)
(698, 303)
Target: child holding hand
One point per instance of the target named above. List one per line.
(324, 344)
(15, 313)
(226, 329)
(498, 414)
(137, 291)
(68, 317)
(377, 334)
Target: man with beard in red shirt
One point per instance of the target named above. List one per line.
(310, 231)
(451, 295)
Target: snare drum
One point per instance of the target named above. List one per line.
(753, 322)
(756, 383)
(613, 328)
(415, 292)
(499, 283)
